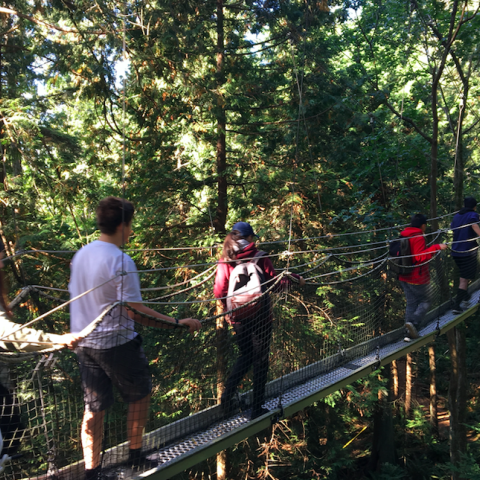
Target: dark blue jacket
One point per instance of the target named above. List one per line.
(464, 242)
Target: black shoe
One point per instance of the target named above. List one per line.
(457, 309)
(141, 461)
(94, 473)
(258, 412)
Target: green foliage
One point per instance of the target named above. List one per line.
(328, 121)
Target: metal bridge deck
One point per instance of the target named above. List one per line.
(205, 433)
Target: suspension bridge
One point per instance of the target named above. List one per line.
(346, 322)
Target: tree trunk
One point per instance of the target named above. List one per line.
(395, 379)
(434, 155)
(433, 387)
(457, 396)
(408, 385)
(221, 338)
(383, 444)
(222, 206)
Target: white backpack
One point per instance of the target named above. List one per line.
(244, 286)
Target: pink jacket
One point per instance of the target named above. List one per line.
(224, 270)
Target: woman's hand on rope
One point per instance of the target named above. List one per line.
(192, 323)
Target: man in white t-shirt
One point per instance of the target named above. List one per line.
(112, 354)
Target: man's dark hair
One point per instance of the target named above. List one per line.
(469, 202)
(111, 212)
(418, 220)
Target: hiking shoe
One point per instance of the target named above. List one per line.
(457, 309)
(412, 330)
(407, 339)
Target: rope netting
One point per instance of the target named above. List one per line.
(350, 297)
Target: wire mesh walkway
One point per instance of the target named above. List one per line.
(345, 322)
(198, 446)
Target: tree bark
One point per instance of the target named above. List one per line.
(221, 339)
(408, 385)
(383, 444)
(395, 379)
(433, 387)
(222, 206)
(457, 396)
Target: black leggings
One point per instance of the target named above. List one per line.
(253, 339)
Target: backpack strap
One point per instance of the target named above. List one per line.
(257, 257)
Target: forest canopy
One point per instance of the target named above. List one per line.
(304, 118)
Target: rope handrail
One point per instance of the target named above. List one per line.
(216, 245)
(25, 325)
(173, 294)
(335, 282)
(210, 300)
(168, 287)
(56, 346)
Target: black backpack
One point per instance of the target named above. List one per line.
(400, 256)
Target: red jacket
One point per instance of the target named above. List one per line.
(418, 247)
(224, 270)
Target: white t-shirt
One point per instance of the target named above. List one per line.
(91, 266)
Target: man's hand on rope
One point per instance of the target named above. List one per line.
(193, 324)
(71, 340)
(301, 281)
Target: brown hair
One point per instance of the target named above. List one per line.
(112, 212)
(230, 247)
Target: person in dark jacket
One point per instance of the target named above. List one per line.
(253, 334)
(465, 248)
(416, 283)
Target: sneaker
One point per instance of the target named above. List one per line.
(412, 330)
(407, 339)
(457, 309)
(465, 302)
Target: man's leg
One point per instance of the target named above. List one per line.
(461, 295)
(422, 296)
(136, 421)
(92, 435)
(463, 284)
(411, 299)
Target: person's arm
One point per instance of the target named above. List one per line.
(192, 323)
(476, 229)
(220, 287)
(270, 274)
(420, 251)
(32, 340)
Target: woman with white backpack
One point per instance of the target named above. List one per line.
(243, 275)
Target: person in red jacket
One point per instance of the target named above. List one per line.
(416, 283)
(252, 334)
